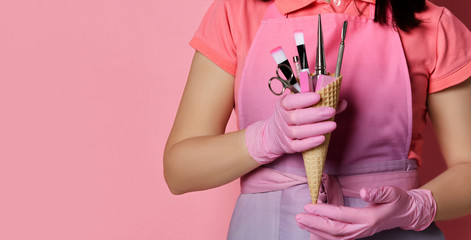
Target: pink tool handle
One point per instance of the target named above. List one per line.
(305, 82)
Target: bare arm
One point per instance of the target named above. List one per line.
(198, 154)
(450, 111)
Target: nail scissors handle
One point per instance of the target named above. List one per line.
(285, 82)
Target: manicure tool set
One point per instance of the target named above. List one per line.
(306, 82)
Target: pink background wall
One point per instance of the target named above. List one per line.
(88, 93)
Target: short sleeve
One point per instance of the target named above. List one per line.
(213, 38)
(453, 53)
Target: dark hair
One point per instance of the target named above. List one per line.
(403, 12)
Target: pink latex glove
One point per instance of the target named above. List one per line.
(295, 126)
(390, 207)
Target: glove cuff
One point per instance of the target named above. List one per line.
(254, 143)
(426, 213)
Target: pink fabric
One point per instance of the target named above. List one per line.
(265, 179)
(404, 180)
(430, 50)
(350, 7)
(451, 54)
(333, 189)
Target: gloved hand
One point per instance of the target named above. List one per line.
(295, 126)
(389, 207)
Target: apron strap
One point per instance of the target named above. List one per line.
(265, 179)
(405, 180)
(333, 189)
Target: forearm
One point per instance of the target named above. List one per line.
(452, 192)
(451, 116)
(205, 162)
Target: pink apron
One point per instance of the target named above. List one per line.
(370, 145)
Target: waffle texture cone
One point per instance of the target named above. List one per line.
(314, 159)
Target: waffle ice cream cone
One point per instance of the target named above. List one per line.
(314, 159)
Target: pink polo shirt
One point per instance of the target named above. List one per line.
(437, 52)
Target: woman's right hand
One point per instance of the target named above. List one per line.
(295, 126)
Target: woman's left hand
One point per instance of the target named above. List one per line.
(389, 207)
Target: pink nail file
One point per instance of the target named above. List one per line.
(304, 81)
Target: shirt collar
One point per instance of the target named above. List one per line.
(287, 6)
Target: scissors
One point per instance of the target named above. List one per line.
(287, 82)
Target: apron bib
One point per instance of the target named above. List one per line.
(372, 137)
